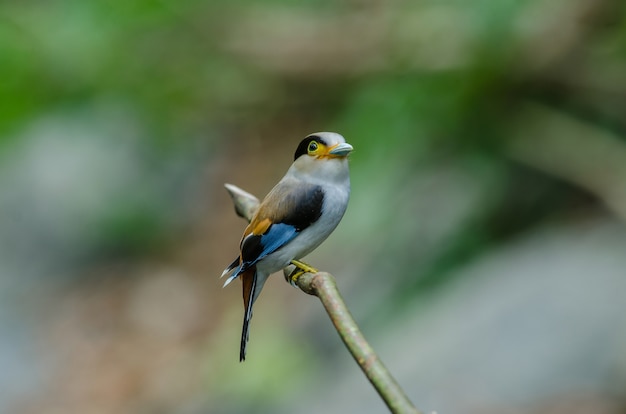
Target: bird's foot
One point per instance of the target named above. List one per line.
(300, 269)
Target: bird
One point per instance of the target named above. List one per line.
(295, 217)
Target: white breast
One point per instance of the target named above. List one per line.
(336, 197)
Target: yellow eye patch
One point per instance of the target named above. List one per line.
(316, 148)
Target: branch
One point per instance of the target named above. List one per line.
(323, 286)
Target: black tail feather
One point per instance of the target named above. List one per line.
(231, 266)
(245, 332)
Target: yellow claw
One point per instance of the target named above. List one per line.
(304, 267)
(301, 268)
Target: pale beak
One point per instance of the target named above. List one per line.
(341, 150)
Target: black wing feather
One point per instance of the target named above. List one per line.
(305, 206)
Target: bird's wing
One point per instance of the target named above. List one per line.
(287, 210)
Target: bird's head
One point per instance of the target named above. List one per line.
(324, 155)
(321, 145)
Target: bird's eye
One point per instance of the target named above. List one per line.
(312, 146)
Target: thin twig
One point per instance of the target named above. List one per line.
(323, 286)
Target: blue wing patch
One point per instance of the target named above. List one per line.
(255, 248)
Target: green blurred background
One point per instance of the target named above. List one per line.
(483, 251)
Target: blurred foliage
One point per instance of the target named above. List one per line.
(475, 124)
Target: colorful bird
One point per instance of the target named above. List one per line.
(294, 218)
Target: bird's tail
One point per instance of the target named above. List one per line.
(249, 280)
(229, 268)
